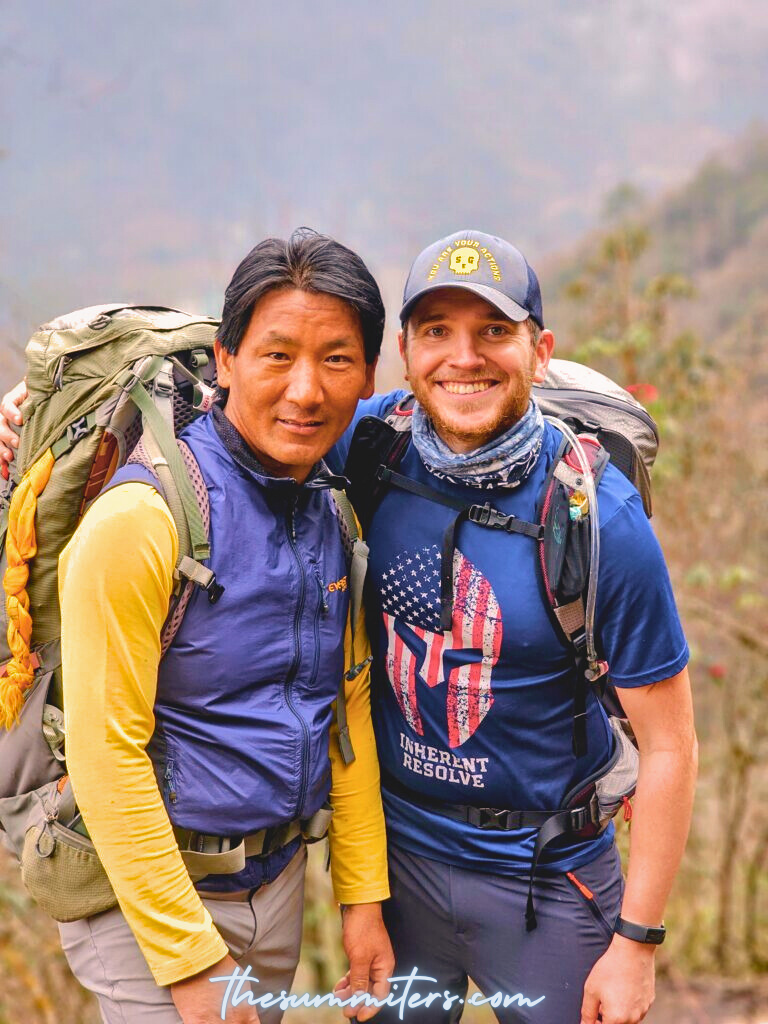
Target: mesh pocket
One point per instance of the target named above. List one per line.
(62, 871)
(620, 781)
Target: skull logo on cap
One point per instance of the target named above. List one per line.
(464, 260)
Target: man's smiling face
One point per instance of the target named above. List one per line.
(470, 367)
(296, 378)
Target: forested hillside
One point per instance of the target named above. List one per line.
(671, 299)
(713, 231)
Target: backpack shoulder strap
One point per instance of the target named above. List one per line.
(163, 454)
(188, 573)
(356, 551)
(189, 579)
(569, 551)
(401, 416)
(376, 442)
(357, 558)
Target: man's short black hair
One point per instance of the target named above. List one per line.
(311, 262)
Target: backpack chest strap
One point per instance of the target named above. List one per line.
(481, 515)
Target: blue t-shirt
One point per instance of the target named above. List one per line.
(483, 715)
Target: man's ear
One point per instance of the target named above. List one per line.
(370, 379)
(223, 364)
(401, 343)
(543, 353)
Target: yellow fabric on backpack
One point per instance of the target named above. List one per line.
(21, 548)
(116, 578)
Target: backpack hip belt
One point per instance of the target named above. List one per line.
(580, 819)
(224, 855)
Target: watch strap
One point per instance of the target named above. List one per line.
(640, 932)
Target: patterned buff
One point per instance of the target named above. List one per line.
(503, 462)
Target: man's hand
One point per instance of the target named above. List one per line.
(9, 413)
(199, 1000)
(371, 960)
(620, 987)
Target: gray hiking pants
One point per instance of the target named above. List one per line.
(452, 924)
(263, 932)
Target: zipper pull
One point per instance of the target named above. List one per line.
(291, 518)
(169, 781)
(321, 587)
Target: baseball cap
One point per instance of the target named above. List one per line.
(483, 264)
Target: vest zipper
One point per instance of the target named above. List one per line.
(304, 778)
(170, 782)
(316, 631)
(321, 588)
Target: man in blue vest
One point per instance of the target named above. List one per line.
(474, 714)
(223, 743)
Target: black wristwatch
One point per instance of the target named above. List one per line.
(640, 932)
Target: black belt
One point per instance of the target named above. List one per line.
(551, 824)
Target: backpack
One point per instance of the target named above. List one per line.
(599, 421)
(108, 386)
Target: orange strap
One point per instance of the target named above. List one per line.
(21, 548)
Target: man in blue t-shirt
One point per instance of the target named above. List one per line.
(477, 711)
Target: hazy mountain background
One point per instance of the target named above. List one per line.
(713, 231)
(623, 144)
(146, 147)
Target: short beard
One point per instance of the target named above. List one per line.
(513, 410)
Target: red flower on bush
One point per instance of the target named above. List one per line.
(717, 671)
(643, 392)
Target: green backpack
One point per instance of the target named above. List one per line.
(106, 385)
(98, 380)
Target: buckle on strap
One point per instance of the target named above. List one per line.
(202, 842)
(579, 818)
(316, 828)
(203, 577)
(494, 819)
(486, 515)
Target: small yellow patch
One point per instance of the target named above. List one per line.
(338, 585)
(464, 256)
(464, 260)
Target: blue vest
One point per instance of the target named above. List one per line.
(244, 694)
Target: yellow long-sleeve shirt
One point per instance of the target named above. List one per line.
(116, 579)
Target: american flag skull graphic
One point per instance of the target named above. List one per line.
(417, 649)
